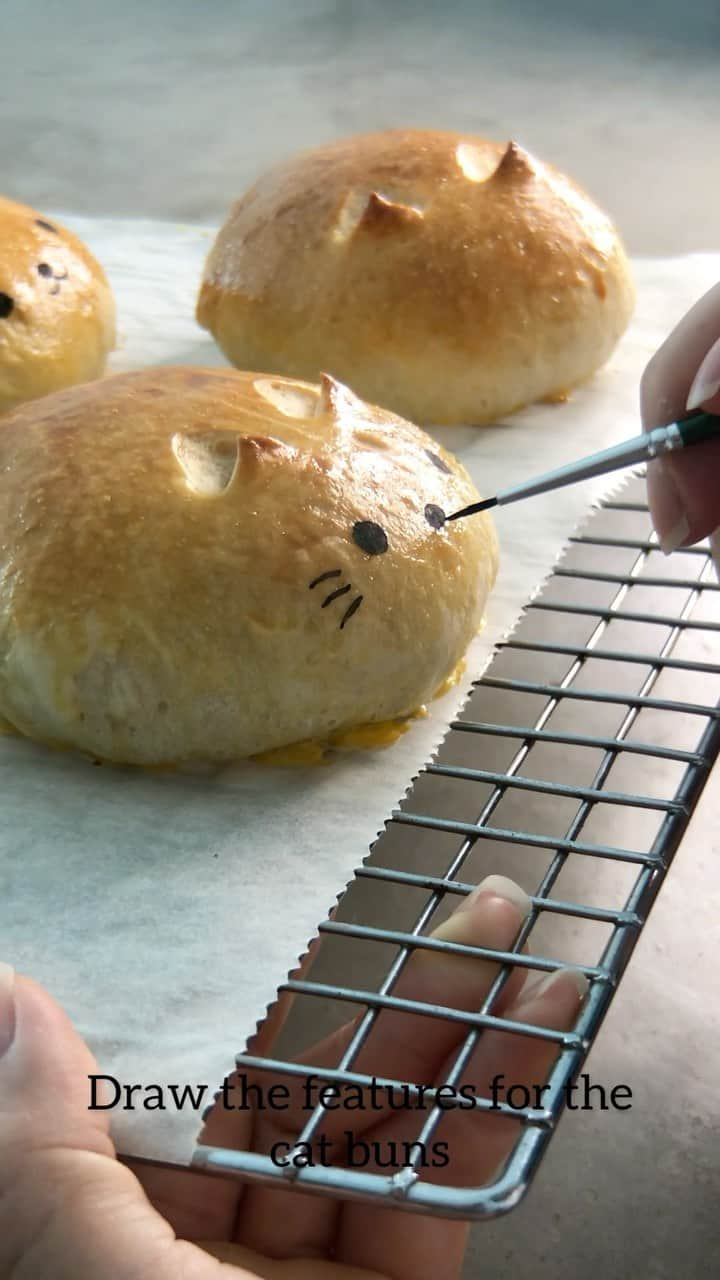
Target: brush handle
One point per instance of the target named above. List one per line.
(679, 435)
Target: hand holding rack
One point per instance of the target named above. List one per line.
(574, 767)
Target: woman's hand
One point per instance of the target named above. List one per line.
(684, 488)
(70, 1209)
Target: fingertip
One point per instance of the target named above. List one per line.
(39, 1037)
(565, 979)
(499, 886)
(662, 393)
(44, 1076)
(705, 385)
(684, 495)
(498, 905)
(7, 1006)
(715, 550)
(669, 378)
(551, 1000)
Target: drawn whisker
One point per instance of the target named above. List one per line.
(331, 573)
(337, 593)
(351, 609)
(340, 591)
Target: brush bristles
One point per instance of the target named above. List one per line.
(472, 510)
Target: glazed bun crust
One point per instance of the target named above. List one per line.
(446, 277)
(204, 564)
(57, 314)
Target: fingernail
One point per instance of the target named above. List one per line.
(667, 506)
(558, 975)
(499, 887)
(7, 1006)
(458, 928)
(715, 551)
(706, 383)
(674, 537)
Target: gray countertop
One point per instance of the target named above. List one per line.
(169, 109)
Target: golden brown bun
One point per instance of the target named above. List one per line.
(448, 278)
(57, 315)
(209, 564)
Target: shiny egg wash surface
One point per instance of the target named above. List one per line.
(452, 279)
(57, 316)
(213, 565)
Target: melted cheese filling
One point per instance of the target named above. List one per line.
(361, 737)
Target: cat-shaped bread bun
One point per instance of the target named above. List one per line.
(206, 564)
(446, 277)
(57, 314)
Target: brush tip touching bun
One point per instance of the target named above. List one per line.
(57, 315)
(447, 277)
(206, 564)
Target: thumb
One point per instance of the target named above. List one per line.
(44, 1069)
(67, 1207)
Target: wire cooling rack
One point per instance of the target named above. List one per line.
(574, 768)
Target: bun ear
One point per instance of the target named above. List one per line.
(257, 451)
(440, 275)
(382, 216)
(515, 163)
(374, 215)
(336, 397)
(210, 460)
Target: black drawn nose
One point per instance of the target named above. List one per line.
(434, 515)
(6, 305)
(48, 273)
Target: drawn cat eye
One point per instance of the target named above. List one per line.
(438, 462)
(370, 537)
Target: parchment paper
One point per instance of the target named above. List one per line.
(163, 910)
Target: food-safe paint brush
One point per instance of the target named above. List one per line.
(678, 435)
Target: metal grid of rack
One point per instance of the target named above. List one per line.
(574, 767)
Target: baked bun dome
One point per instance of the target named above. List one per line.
(57, 314)
(448, 278)
(205, 564)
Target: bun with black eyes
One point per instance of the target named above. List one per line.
(446, 277)
(57, 314)
(205, 564)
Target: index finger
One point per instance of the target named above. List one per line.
(684, 489)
